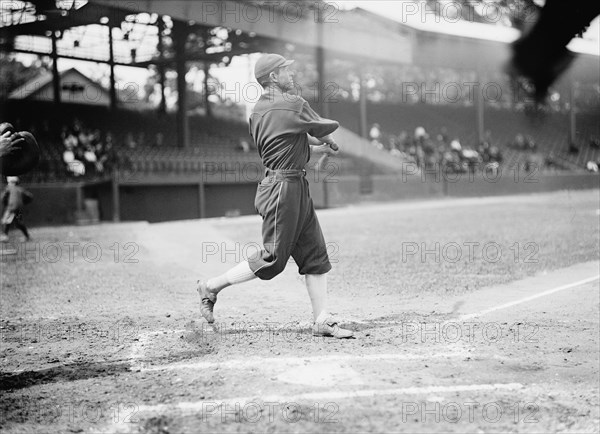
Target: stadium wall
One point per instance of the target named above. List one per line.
(53, 204)
(60, 204)
(424, 186)
(510, 183)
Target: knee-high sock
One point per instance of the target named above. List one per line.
(239, 274)
(316, 284)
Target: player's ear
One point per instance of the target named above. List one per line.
(273, 77)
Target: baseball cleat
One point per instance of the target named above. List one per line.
(328, 327)
(207, 301)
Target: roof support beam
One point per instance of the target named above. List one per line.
(111, 63)
(294, 22)
(55, 73)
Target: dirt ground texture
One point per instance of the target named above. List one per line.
(101, 332)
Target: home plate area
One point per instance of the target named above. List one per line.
(261, 381)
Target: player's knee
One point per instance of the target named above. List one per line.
(278, 267)
(316, 269)
(275, 269)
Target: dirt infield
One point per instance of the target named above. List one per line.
(474, 315)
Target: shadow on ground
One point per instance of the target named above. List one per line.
(64, 373)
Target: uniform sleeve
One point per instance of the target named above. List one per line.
(310, 122)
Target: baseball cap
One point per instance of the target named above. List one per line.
(269, 63)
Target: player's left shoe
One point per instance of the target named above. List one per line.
(207, 301)
(327, 326)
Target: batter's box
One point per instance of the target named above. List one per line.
(165, 346)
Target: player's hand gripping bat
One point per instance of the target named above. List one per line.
(325, 157)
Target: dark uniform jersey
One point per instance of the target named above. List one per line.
(279, 124)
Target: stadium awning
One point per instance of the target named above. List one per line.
(295, 22)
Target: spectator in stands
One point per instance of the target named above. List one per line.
(419, 155)
(375, 136)
(494, 154)
(443, 135)
(90, 159)
(394, 149)
(84, 139)
(471, 159)
(451, 162)
(484, 146)
(243, 146)
(519, 142)
(530, 144)
(592, 166)
(77, 126)
(69, 139)
(107, 158)
(74, 166)
(549, 161)
(403, 141)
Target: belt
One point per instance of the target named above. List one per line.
(285, 173)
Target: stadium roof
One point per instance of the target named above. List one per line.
(430, 22)
(292, 22)
(55, 19)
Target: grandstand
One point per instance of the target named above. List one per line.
(549, 130)
(200, 157)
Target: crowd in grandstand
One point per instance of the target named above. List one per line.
(76, 148)
(435, 150)
(86, 151)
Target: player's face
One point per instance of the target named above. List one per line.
(285, 78)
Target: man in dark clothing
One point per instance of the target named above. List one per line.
(286, 131)
(14, 199)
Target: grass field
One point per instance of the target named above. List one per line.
(471, 315)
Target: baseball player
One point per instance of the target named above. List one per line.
(286, 131)
(13, 200)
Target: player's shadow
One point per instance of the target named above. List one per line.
(64, 373)
(397, 321)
